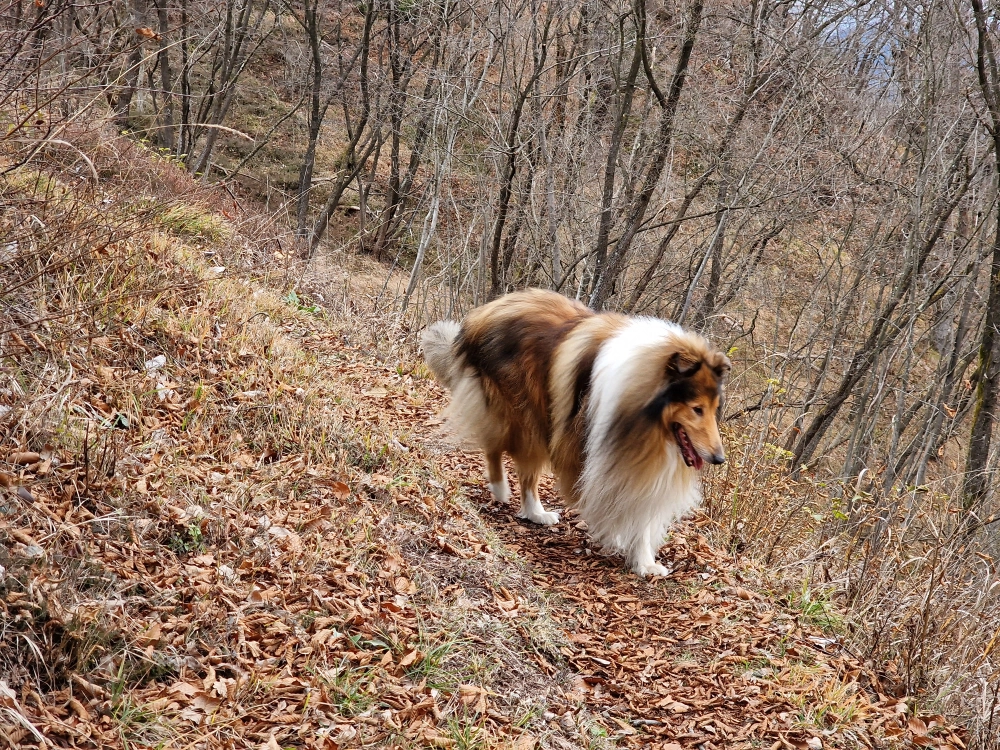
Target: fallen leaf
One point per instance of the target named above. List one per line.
(473, 696)
(205, 702)
(410, 658)
(185, 689)
(79, 709)
(151, 636)
(626, 728)
(917, 726)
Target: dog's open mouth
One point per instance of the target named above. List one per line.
(691, 457)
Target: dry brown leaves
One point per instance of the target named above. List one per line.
(260, 540)
(701, 659)
(255, 625)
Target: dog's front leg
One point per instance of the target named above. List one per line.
(643, 557)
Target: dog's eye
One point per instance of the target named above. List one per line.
(698, 410)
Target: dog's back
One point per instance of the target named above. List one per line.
(497, 364)
(510, 344)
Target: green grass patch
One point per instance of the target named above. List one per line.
(186, 220)
(814, 608)
(351, 690)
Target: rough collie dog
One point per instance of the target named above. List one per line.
(624, 410)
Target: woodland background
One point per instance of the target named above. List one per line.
(813, 185)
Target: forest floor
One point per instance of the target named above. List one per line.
(240, 524)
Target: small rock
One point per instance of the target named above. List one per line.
(823, 642)
(33, 551)
(814, 743)
(568, 722)
(155, 363)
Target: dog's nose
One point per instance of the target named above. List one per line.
(718, 458)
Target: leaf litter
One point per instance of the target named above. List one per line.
(252, 534)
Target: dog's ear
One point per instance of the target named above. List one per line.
(683, 364)
(719, 363)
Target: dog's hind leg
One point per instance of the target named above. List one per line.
(497, 477)
(531, 506)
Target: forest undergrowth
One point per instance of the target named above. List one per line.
(229, 518)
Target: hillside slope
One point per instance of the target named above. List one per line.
(229, 519)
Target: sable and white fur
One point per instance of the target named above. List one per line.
(623, 410)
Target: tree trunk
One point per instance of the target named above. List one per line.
(185, 130)
(626, 94)
(165, 134)
(311, 23)
(977, 479)
(510, 165)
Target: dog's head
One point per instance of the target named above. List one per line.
(690, 403)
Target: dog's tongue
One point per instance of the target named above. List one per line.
(698, 460)
(691, 457)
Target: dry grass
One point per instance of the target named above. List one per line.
(187, 513)
(899, 576)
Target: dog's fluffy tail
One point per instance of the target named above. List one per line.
(439, 352)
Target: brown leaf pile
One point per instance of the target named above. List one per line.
(702, 660)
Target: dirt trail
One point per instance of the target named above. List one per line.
(701, 659)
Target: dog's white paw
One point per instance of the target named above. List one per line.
(501, 491)
(651, 569)
(543, 517)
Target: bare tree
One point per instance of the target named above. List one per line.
(977, 472)
(606, 275)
